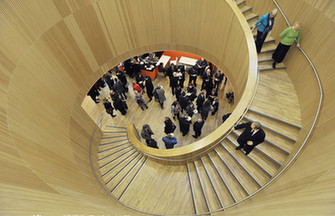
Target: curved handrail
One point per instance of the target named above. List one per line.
(278, 174)
(310, 131)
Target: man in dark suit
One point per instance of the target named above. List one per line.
(250, 137)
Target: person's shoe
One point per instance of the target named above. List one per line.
(142, 108)
(174, 117)
(238, 147)
(113, 116)
(274, 65)
(246, 153)
(194, 136)
(150, 99)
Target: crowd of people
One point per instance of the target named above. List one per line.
(188, 104)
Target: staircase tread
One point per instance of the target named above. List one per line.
(277, 99)
(255, 171)
(258, 157)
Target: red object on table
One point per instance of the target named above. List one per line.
(152, 74)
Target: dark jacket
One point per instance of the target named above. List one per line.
(257, 138)
(197, 126)
(169, 126)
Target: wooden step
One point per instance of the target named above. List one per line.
(270, 128)
(258, 175)
(222, 190)
(278, 126)
(268, 67)
(111, 126)
(113, 153)
(160, 189)
(262, 161)
(277, 140)
(200, 199)
(118, 163)
(208, 191)
(113, 177)
(122, 187)
(233, 186)
(112, 141)
(278, 99)
(240, 2)
(245, 8)
(112, 145)
(274, 155)
(113, 135)
(251, 16)
(276, 119)
(105, 161)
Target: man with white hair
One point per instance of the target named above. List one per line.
(250, 137)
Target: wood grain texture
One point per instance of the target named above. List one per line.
(52, 52)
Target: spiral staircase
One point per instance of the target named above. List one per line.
(223, 176)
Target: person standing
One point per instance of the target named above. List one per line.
(181, 75)
(184, 124)
(160, 95)
(170, 140)
(183, 101)
(264, 25)
(288, 36)
(146, 133)
(200, 100)
(250, 137)
(218, 77)
(120, 105)
(215, 105)
(136, 87)
(175, 109)
(191, 92)
(109, 108)
(197, 126)
(200, 65)
(119, 89)
(140, 101)
(174, 81)
(206, 107)
(169, 127)
(192, 73)
(149, 87)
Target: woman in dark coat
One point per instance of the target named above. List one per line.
(150, 87)
(184, 124)
(169, 127)
(120, 105)
(206, 107)
(108, 107)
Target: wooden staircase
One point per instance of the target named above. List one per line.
(222, 177)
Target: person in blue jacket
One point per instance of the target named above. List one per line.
(264, 25)
(169, 141)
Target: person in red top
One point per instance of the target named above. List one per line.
(136, 87)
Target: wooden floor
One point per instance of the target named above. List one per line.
(218, 179)
(154, 115)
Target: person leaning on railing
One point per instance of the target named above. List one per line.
(289, 35)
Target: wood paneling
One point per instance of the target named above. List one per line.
(308, 179)
(51, 54)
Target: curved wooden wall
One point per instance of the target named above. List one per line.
(51, 53)
(307, 187)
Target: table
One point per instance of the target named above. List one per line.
(163, 59)
(187, 61)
